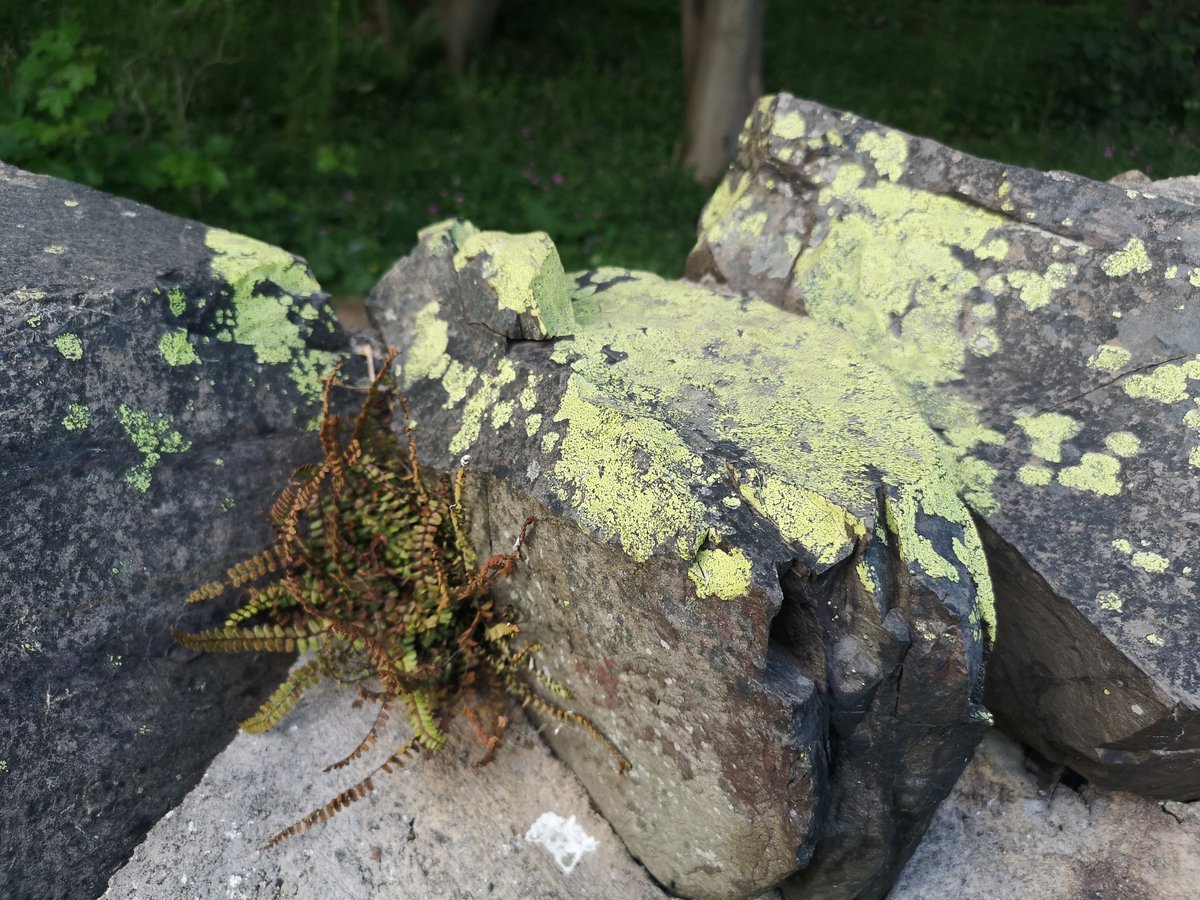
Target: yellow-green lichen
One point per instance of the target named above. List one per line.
(1150, 562)
(891, 272)
(34, 321)
(265, 282)
(1035, 476)
(629, 477)
(549, 441)
(444, 237)
(528, 398)
(1036, 289)
(720, 573)
(54, 249)
(533, 424)
(526, 275)
(176, 302)
(152, 436)
(1194, 457)
(1194, 277)
(426, 357)
(995, 249)
(1130, 258)
(77, 418)
(1123, 443)
(1096, 472)
(1109, 358)
(814, 421)
(1171, 272)
(1154, 640)
(1047, 432)
(69, 346)
(1168, 383)
(502, 413)
(176, 349)
(790, 126)
(1121, 545)
(1109, 600)
(481, 400)
(888, 151)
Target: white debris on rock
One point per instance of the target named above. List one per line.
(563, 839)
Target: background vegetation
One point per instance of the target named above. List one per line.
(302, 124)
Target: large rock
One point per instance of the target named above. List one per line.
(1011, 830)
(1046, 326)
(439, 828)
(749, 563)
(156, 381)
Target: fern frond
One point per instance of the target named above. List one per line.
(283, 699)
(424, 725)
(551, 710)
(352, 794)
(253, 568)
(267, 638)
(209, 591)
(270, 599)
(367, 742)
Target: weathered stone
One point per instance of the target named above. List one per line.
(1045, 325)
(1010, 830)
(156, 380)
(749, 564)
(440, 828)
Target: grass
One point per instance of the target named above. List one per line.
(572, 122)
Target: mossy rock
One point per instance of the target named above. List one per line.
(1045, 325)
(749, 564)
(157, 380)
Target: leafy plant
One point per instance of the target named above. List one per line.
(372, 572)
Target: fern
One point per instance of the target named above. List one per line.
(372, 570)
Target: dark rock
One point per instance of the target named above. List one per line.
(156, 381)
(748, 564)
(1046, 326)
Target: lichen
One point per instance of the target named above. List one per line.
(1130, 258)
(719, 573)
(888, 151)
(1035, 476)
(1149, 562)
(1036, 289)
(176, 349)
(1167, 383)
(1096, 472)
(69, 346)
(1047, 432)
(525, 274)
(1123, 443)
(176, 302)
(152, 436)
(1109, 358)
(266, 282)
(78, 417)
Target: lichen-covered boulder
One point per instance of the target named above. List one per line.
(749, 564)
(1046, 326)
(156, 381)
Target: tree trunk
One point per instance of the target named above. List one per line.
(466, 25)
(722, 70)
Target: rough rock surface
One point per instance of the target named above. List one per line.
(748, 565)
(441, 828)
(1046, 326)
(1010, 830)
(156, 380)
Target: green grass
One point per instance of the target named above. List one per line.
(340, 149)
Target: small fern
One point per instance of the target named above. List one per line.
(372, 570)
